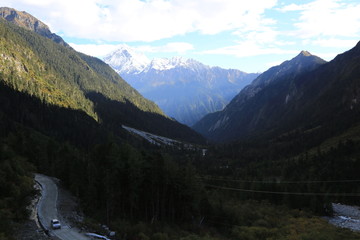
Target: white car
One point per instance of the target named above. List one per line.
(55, 224)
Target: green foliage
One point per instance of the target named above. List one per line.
(28, 64)
(253, 233)
(287, 168)
(16, 188)
(114, 87)
(252, 220)
(160, 236)
(298, 98)
(113, 113)
(140, 185)
(117, 180)
(142, 236)
(60, 76)
(138, 191)
(315, 228)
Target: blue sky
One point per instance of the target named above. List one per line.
(248, 35)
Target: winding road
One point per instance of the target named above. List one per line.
(47, 210)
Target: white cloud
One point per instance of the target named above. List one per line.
(136, 20)
(96, 50)
(291, 7)
(335, 43)
(100, 50)
(331, 18)
(250, 28)
(255, 41)
(173, 47)
(248, 49)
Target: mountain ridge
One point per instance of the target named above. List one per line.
(184, 89)
(129, 60)
(249, 110)
(58, 75)
(27, 21)
(162, 64)
(126, 60)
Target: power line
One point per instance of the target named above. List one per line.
(286, 193)
(280, 182)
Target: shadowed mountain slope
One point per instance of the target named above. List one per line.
(184, 89)
(60, 76)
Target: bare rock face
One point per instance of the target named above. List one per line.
(27, 21)
(23, 19)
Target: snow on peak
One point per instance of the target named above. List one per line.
(162, 64)
(127, 60)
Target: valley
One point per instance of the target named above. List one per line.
(48, 210)
(282, 154)
(184, 89)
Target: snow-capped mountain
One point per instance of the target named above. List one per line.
(184, 89)
(127, 60)
(162, 64)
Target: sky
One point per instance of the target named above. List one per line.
(248, 35)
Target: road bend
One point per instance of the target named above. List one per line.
(47, 210)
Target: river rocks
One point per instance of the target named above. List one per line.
(346, 216)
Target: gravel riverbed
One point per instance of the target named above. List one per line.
(346, 216)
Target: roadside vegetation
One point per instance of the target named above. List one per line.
(157, 194)
(61, 115)
(16, 188)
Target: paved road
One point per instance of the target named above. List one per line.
(47, 210)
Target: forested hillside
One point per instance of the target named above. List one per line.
(91, 162)
(292, 137)
(60, 76)
(61, 114)
(302, 95)
(261, 107)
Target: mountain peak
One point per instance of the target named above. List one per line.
(304, 61)
(305, 57)
(162, 64)
(127, 60)
(23, 19)
(305, 53)
(29, 22)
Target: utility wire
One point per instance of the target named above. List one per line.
(280, 182)
(286, 193)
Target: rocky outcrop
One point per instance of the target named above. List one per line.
(25, 20)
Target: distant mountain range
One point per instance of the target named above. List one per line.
(184, 89)
(48, 86)
(301, 96)
(39, 64)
